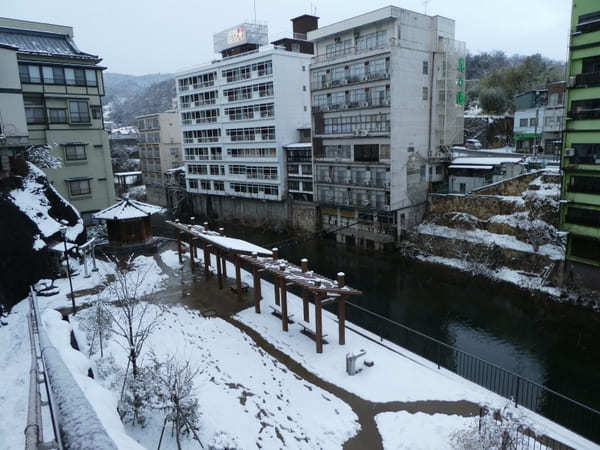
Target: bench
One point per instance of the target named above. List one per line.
(277, 313)
(309, 330)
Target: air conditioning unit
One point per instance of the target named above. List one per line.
(345, 106)
(571, 82)
(363, 132)
(569, 152)
(356, 132)
(345, 81)
(364, 104)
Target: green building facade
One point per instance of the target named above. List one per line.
(580, 208)
(62, 89)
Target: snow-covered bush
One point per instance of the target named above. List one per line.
(223, 441)
(40, 156)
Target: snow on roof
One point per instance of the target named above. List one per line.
(468, 166)
(487, 161)
(127, 174)
(176, 169)
(128, 208)
(42, 43)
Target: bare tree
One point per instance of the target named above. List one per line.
(134, 317)
(174, 382)
(98, 325)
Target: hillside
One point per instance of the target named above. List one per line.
(128, 96)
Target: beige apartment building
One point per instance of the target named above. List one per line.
(160, 150)
(59, 88)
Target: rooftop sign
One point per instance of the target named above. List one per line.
(246, 33)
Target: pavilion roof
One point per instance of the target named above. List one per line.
(128, 208)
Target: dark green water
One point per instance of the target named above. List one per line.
(549, 343)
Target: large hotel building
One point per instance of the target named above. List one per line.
(387, 105)
(237, 114)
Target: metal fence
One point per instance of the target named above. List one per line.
(559, 408)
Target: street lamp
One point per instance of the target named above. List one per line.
(63, 234)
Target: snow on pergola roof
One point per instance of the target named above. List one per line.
(128, 209)
(489, 161)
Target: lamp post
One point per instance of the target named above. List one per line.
(63, 234)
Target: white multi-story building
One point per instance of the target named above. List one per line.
(239, 112)
(387, 99)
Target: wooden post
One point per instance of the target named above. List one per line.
(219, 274)
(305, 294)
(257, 295)
(224, 263)
(206, 259)
(275, 254)
(284, 312)
(191, 242)
(319, 323)
(341, 319)
(276, 288)
(178, 233)
(238, 277)
(304, 264)
(193, 220)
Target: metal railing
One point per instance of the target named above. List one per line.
(74, 421)
(553, 405)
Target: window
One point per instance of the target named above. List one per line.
(532, 122)
(29, 73)
(192, 184)
(195, 169)
(523, 123)
(586, 154)
(293, 168)
(425, 93)
(425, 67)
(53, 75)
(75, 153)
(96, 112)
(218, 185)
(34, 109)
(366, 152)
(90, 77)
(252, 152)
(293, 185)
(57, 115)
(75, 76)
(79, 111)
(205, 185)
(384, 151)
(79, 187)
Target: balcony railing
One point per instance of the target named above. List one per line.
(349, 80)
(587, 79)
(353, 105)
(344, 181)
(348, 52)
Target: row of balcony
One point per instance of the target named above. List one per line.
(352, 105)
(345, 181)
(362, 204)
(351, 79)
(350, 51)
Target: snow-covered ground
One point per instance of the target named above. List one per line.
(246, 396)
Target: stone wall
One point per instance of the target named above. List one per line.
(512, 186)
(480, 206)
(304, 216)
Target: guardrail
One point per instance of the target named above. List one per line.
(553, 405)
(74, 421)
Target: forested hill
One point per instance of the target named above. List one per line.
(493, 78)
(128, 96)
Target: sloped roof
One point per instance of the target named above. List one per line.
(39, 43)
(128, 209)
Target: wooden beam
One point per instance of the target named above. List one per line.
(342, 320)
(191, 242)
(224, 263)
(276, 289)
(206, 260)
(305, 294)
(257, 293)
(238, 277)
(178, 233)
(219, 274)
(284, 309)
(319, 323)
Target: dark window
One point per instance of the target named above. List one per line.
(90, 77)
(96, 111)
(585, 109)
(585, 217)
(53, 75)
(586, 154)
(79, 111)
(585, 248)
(584, 185)
(79, 187)
(29, 73)
(591, 64)
(34, 109)
(425, 67)
(75, 76)
(75, 153)
(57, 115)
(368, 152)
(589, 22)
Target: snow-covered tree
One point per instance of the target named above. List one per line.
(41, 156)
(98, 326)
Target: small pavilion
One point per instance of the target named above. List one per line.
(128, 222)
(284, 275)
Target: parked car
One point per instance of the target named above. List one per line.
(473, 144)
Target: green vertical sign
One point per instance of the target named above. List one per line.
(460, 82)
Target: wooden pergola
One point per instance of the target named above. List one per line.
(285, 274)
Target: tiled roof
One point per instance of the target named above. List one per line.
(38, 43)
(128, 209)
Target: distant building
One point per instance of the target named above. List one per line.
(387, 93)
(580, 209)
(237, 114)
(554, 119)
(60, 89)
(468, 173)
(300, 168)
(160, 150)
(529, 120)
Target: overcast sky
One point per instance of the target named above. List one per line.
(148, 36)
